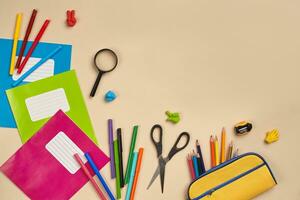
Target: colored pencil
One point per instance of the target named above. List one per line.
(25, 40)
(212, 152)
(130, 156)
(229, 151)
(118, 186)
(195, 164)
(236, 153)
(191, 167)
(15, 43)
(101, 179)
(137, 172)
(111, 148)
(217, 157)
(120, 151)
(131, 177)
(201, 157)
(33, 46)
(200, 170)
(37, 65)
(223, 144)
(87, 173)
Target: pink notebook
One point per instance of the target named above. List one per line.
(44, 167)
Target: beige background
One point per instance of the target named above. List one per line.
(216, 62)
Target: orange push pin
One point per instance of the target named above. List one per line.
(71, 20)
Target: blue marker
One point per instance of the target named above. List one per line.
(131, 178)
(37, 65)
(96, 171)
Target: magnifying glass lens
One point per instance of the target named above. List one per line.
(105, 61)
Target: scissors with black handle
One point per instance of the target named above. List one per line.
(160, 170)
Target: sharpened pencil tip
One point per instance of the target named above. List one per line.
(223, 130)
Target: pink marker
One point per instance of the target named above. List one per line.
(88, 174)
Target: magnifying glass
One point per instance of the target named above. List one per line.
(105, 61)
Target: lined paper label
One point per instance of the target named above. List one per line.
(44, 71)
(47, 104)
(63, 149)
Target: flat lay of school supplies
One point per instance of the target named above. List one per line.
(59, 152)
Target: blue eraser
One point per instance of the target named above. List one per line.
(110, 96)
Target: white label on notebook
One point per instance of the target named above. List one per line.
(63, 149)
(44, 71)
(47, 104)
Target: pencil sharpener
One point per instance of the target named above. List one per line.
(242, 128)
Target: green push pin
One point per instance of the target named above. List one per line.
(173, 117)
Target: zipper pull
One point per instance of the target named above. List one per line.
(211, 196)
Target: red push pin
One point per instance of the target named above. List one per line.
(71, 20)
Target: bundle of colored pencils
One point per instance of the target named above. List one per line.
(196, 161)
(216, 157)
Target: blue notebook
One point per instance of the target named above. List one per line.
(61, 62)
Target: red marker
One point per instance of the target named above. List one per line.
(25, 40)
(33, 46)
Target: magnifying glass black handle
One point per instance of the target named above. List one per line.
(92, 94)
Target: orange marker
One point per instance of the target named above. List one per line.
(223, 143)
(137, 171)
(212, 152)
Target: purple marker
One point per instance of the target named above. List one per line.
(111, 148)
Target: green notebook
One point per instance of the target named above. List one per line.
(34, 103)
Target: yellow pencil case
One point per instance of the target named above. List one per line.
(240, 178)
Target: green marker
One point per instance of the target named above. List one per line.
(116, 154)
(130, 157)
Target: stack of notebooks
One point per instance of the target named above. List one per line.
(50, 114)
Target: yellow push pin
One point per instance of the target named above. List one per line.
(272, 136)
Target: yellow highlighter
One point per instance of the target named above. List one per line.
(15, 43)
(217, 153)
